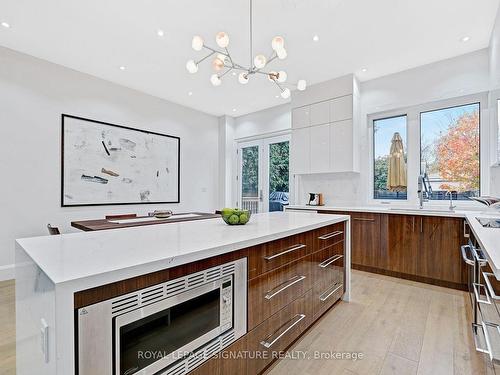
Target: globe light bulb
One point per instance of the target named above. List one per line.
(272, 76)
(191, 66)
(197, 43)
(243, 78)
(260, 61)
(282, 76)
(285, 94)
(281, 53)
(222, 39)
(278, 43)
(215, 79)
(222, 57)
(301, 85)
(218, 64)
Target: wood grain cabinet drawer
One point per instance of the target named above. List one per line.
(273, 290)
(229, 361)
(327, 236)
(328, 265)
(274, 254)
(277, 333)
(324, 297)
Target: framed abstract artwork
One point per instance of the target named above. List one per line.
(108, 164)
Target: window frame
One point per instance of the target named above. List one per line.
(480, 140)
(373, 158)
(413, 147)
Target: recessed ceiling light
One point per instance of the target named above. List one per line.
(122, 68)
(190, 93)
(6, 25)
(234, 109)
(316, 38)
(234, 73)
(277, 96)
(465, 39)
(364, 70)
(160, 33)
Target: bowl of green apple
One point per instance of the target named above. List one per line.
(235, 216)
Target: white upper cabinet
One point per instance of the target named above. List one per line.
(341, 145)
(325, 128)
(300, 117)
(320, 113)
(341, 108)
(320, 149)
(300, 151)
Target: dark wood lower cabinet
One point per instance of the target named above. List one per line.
(277, 333)
(416, 247)
(438, 255)
(285, 300)
(402, 243)
(230, 361)
(365, 238)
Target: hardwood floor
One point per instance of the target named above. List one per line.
(401, 327)
(7, 328)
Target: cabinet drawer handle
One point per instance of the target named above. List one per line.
(266, 343)
(478, 254)
(475, 331)
(327, 294)
(464, 255)
(294, 280)
(477, 287)
(491, 292)
(362, 219)
(330, 235)
(289, 250)
(329, 261)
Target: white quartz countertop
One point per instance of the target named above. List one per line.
(489, 240)
(392, 209)
(145, 249)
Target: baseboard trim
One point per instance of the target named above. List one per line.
(7, 272)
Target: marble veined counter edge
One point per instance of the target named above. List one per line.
(111, 255)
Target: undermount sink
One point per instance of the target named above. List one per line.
(416, 209)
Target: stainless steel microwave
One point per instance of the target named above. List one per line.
(169, 328)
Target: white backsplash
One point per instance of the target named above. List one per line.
(337, 188)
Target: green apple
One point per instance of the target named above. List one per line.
(243, 218)
(234, 219)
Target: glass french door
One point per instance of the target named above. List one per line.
(263, 178)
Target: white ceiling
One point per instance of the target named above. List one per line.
(383, 36)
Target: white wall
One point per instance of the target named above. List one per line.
(268, 121)
(33, 94)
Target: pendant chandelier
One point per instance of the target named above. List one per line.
(223, 63)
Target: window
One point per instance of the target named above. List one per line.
(449, 151)
(390, 158)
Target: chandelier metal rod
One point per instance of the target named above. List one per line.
(206, 57)
(251, 34)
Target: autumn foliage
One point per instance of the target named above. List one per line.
(458, 154)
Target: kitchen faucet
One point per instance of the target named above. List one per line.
(450, 193)
(421, 191)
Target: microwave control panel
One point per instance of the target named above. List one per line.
(226, 309)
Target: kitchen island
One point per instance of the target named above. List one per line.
(297, 265)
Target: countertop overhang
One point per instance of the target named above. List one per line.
(76, 256)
